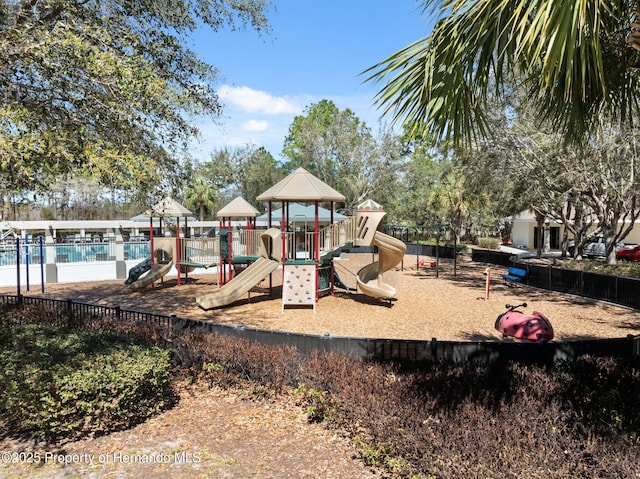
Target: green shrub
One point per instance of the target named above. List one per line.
(64, 382)
(462, 248)
(320, 405)
(489, 243)
(625, 269)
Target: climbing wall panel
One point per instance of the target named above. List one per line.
(299, 286)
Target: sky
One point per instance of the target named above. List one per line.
(316, 50)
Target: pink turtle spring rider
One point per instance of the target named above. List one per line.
(514, 323)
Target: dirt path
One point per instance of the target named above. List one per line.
(208, 434)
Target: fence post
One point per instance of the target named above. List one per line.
(26, 259)
(69, 311)
(635, 345)
(18, 265)
(118, 313)
(41, 264)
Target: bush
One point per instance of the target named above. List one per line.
(60, 382)
(578, 419)
(489, 243)
(625, 269)
(488, 421)
(233, 362)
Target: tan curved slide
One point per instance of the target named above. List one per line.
(239, 285)
(164, 254)
(390, 253)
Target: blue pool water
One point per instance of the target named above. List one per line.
(72, 253)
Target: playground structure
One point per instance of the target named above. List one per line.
(262, 267)
(246, 244)
(305, 253)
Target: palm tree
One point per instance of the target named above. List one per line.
(201, 194)
(572, 56)
(452, 198)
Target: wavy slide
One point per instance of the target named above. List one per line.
(369, 278)
(155, 273)
(239, 285)
(147, 273)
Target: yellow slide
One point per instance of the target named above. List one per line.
(390, 253)
(239, 285)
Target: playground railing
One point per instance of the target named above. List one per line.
(247, 242)
(297, 244)
(330, 238)
(200, 252)
(338, 234)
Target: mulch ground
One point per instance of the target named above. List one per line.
(446, 305)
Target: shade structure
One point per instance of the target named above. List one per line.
(168, 208)
(301, 186)
(238, 208)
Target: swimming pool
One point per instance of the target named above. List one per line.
(72, 252)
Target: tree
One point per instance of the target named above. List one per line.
(420, 175)
(572, 56)
(612, 193)
(338, 148)
(453, 199)
(590, 188)
(246, 171)
(385, 177)
(78, 78)
(202, 195)
(256, 171)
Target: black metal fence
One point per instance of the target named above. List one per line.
(371, 348)
(440, 251)
(603, 287)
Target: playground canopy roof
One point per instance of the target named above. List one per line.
(168, 208)
(301, 186)
(298, 212)
(238, 208)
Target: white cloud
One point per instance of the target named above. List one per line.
(257, 101)
(255, 125)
